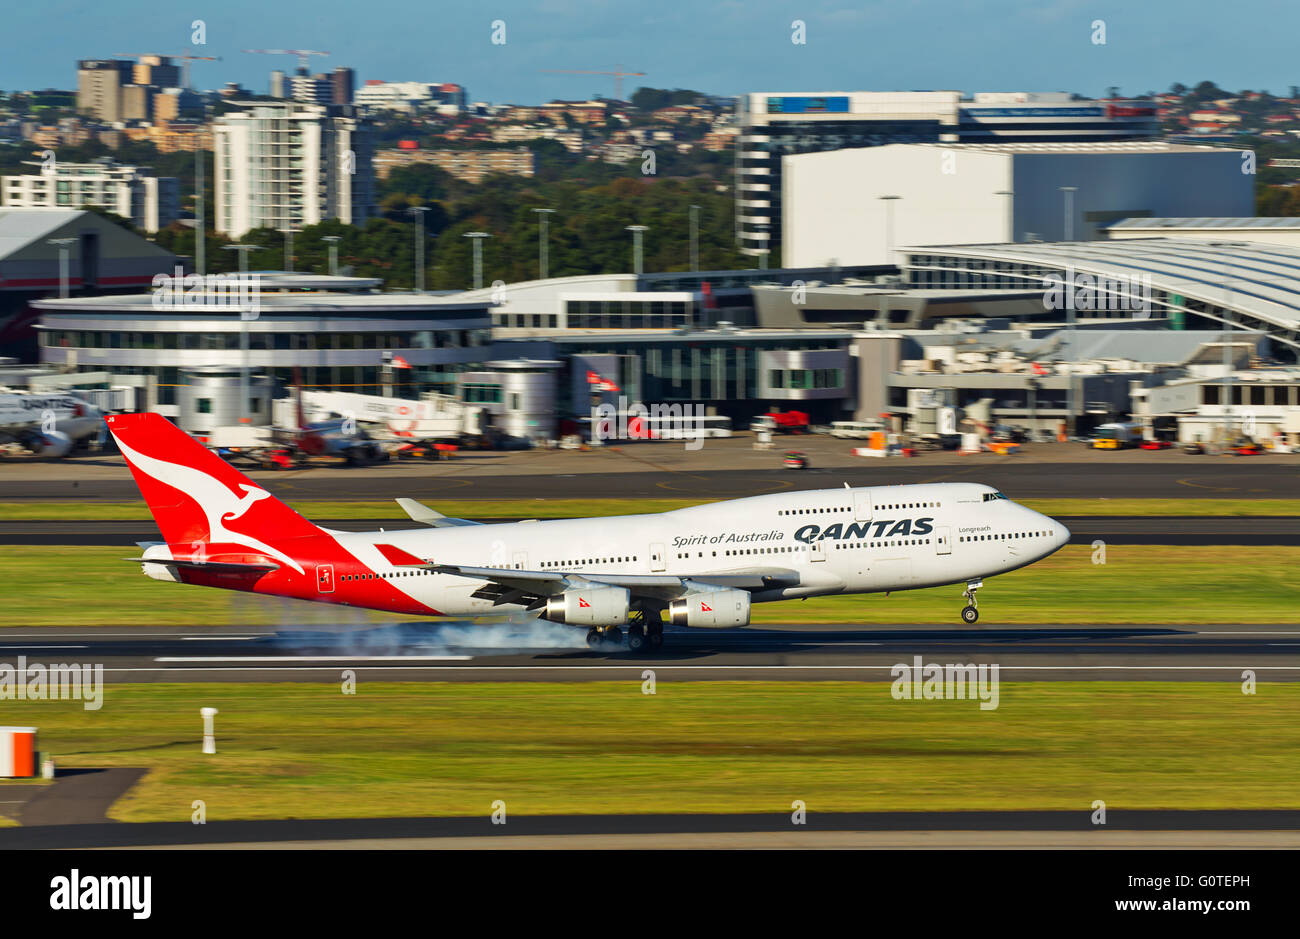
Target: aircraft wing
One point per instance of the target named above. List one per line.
(507, 585)
(426, 516)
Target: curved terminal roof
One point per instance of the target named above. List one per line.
(1259, 284)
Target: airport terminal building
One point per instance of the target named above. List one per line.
(774, 127)
(326, 332)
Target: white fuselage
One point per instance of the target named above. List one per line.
(862, 540)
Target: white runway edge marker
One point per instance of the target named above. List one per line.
(209, 735)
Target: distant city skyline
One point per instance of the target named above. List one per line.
(725, 48)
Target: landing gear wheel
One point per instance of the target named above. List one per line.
(969, 613)
(614, 634)
(636, 639)
(593, 639)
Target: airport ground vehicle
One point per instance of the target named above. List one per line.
(854, 430)
(1117, 436)
(794, 459)
(701, 566)
(781, 422)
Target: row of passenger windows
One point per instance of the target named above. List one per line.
(1004, 536)
(623, 560)
(349, 577)
(738, 552)
(846, 508)
(896, 543)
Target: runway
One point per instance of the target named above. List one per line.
(1275, 828)
(1020, 478)
(439, 652)
(1116, 529)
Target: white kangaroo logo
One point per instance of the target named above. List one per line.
(218, 503)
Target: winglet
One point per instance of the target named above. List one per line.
(420, 513)
(426, 516)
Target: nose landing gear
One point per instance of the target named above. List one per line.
(970, 613)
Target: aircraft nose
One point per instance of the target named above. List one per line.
(1061, 533)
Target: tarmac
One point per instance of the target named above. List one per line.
(724, 468)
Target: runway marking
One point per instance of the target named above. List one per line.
(315, 658)
(1188, 482)
(1244, 632)
(776, 486)
(232, 638)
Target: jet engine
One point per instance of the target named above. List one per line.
(717, 608)
(53, 443)
(594, 606)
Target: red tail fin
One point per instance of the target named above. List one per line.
(198, 499)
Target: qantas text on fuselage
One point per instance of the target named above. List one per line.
(700, 566)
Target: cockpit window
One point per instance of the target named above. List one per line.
(990, 496)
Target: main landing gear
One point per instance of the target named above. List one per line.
(645, 632)
(970, 613)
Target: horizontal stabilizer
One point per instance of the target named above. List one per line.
(214, 567)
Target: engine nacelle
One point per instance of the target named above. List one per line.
(716, 608)
(52, 443)
(594, 606)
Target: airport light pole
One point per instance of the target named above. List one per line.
(1067, 193)
(64, 245)
(418, 211)
(477, 238)
(695, 237)
(889, 225)
(200, 224)
(333, 242)
(543, 245)
(1226, 391)
(637, 231)
(243, 330)
(1071, 398)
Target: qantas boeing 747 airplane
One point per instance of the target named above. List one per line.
(700, 566)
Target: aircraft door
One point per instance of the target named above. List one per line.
(325, 578)
(943, 540)
(521, 561)
(817, 551)
(656, 557)
(862, 505)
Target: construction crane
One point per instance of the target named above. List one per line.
(618, 74)
(300, 53)
(187, 59)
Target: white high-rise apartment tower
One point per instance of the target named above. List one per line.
(286, 164)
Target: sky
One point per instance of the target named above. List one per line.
(727, 47)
